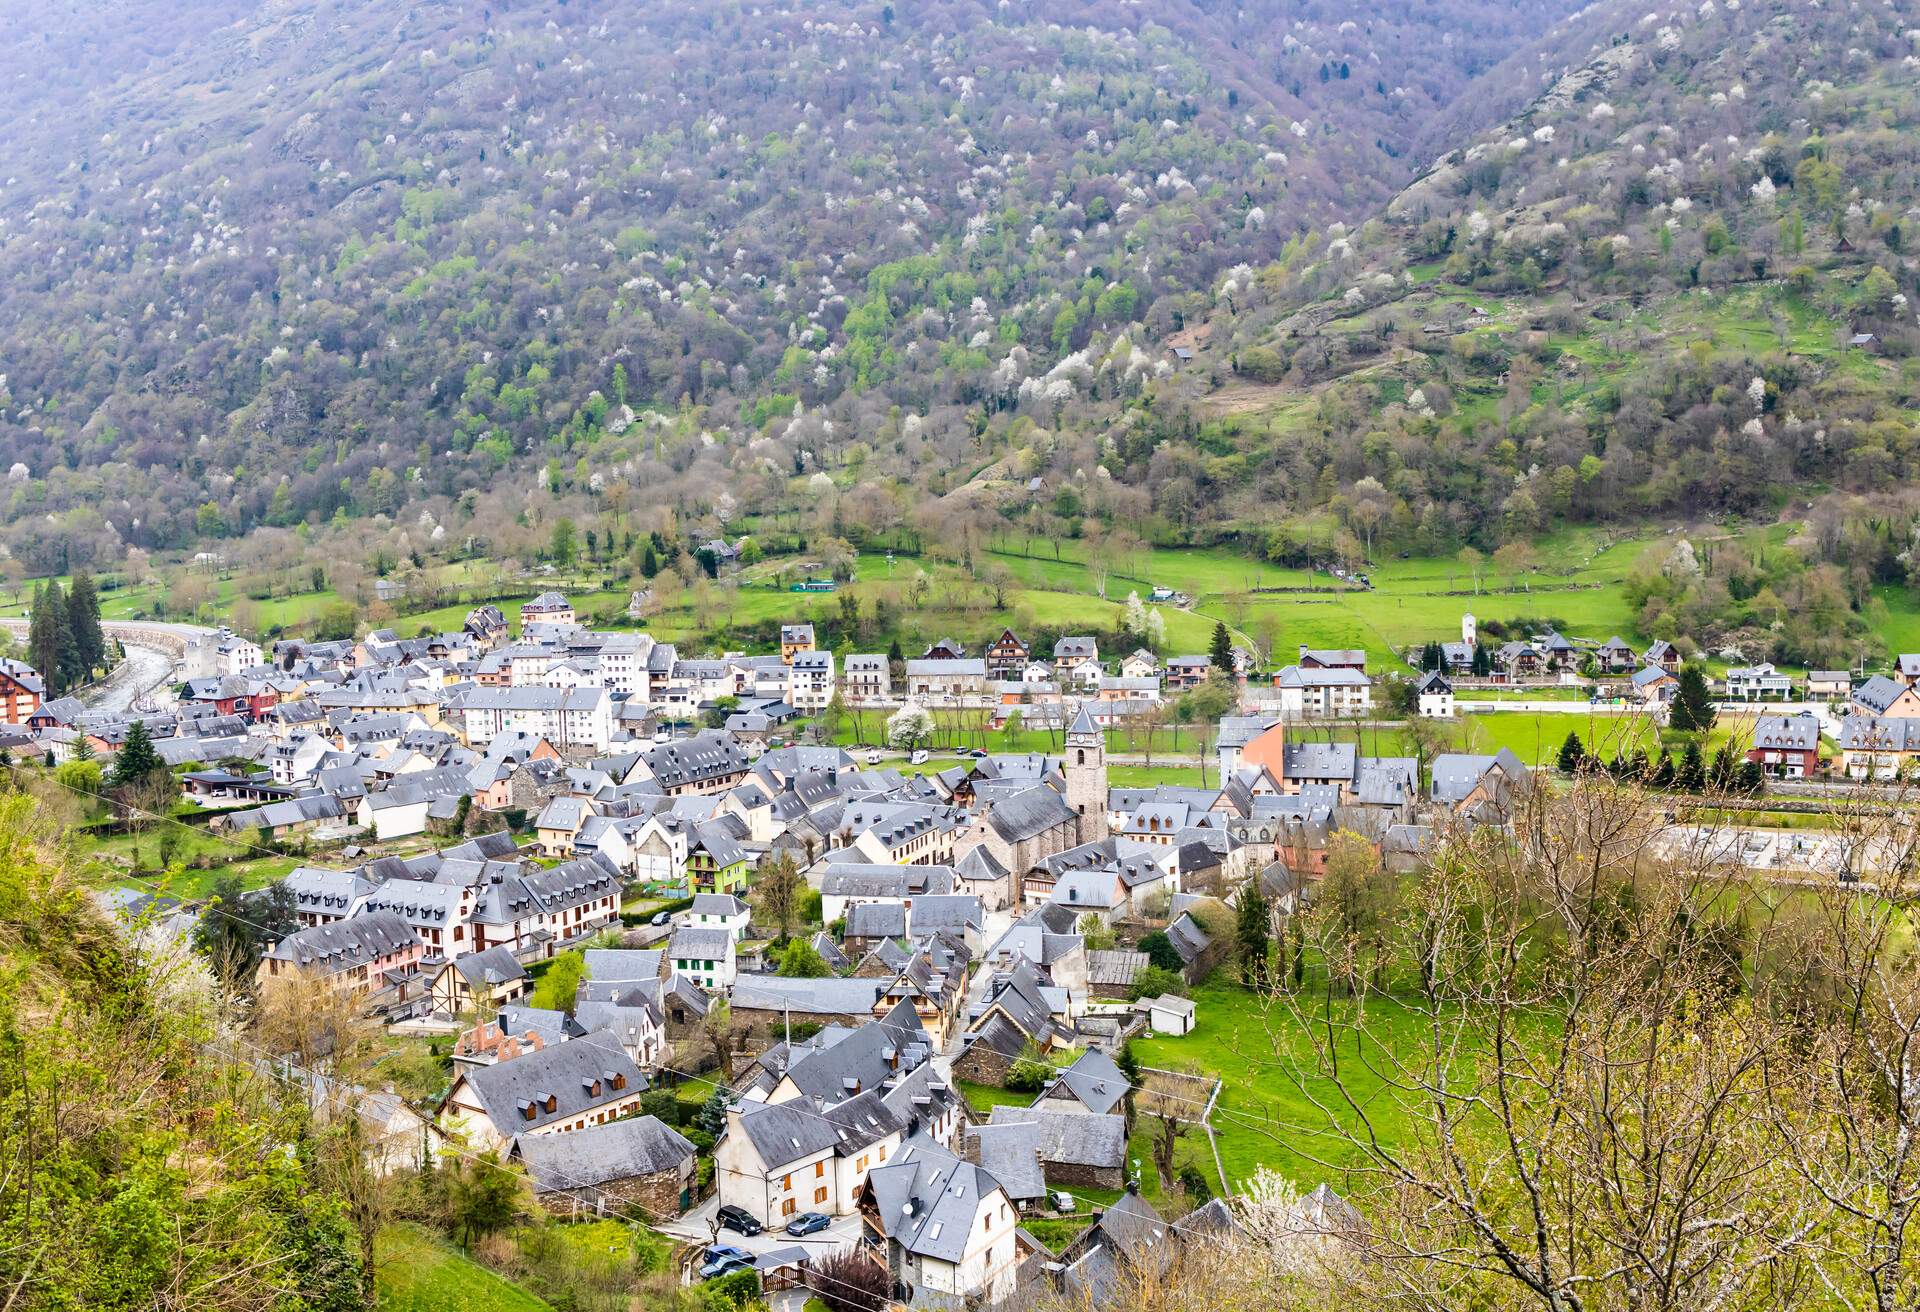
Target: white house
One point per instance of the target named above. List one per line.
(810, 681)
(572, 719)
(703, 955)
(777, 1160)
(1436, 696)
(1758, 683)
(720, 911)
(869, 679)
(946, 1226)
(553, 1090)
(1308, 693)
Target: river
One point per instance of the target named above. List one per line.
(143, 670)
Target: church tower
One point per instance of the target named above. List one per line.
(1086, 771)
(1469, 631)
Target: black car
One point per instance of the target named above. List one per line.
(725, 1266)
(808, 1222)
(738, 1218)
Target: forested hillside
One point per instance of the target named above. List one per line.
(266, 264)
(1677, 284)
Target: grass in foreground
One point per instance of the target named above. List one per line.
(416, 1272)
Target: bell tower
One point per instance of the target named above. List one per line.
(1086, 771)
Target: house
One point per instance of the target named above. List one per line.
(1654, 685)
(937, 681)
(720, 911)
(716, 863)
(1141, 664)
(945, 649)
(1885, 698)
(547, 608)
(1332, 658)
(778, 1159)
(703, 955)
(1077, 1150)
(1786, 746)
(1007, 656)
(361, 953)
(1879, 748)
(640, 1164)
(1663, 654)
(1322, 692)
(1830, 685)
(794, 639)
(479, 982)
(869, 679)
(1092, 1084)
(1481, 786)
(1614, 656)
(1186, 672)
(561, 1088)
(810, 681)
(1435, 696)
(21, 691)
(1071, 650)
(1907, 667)
(1754, 683)
(947, 1228)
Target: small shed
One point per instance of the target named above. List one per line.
(1169, 1014)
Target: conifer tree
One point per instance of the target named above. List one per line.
(1573, 752)
(1693, 710)
(1220, 652)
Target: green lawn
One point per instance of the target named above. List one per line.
(418, 1273)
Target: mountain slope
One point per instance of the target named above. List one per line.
(267, 264)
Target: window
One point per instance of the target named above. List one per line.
(819, 1169)
(786, 1182)
(787, 1208)
(820, 1194)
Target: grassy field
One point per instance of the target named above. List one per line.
(1267, 1114)
(418, 1273)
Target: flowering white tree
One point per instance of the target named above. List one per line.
(1134, 620)
(1156, 629)
(909, 727)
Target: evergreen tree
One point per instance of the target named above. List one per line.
(1482, 662)
(1751, 779)
(82, 749)
(1692, 777)
(43, 637)
(1254, 932)
(1726, 766)
(137, 757)
(1663, 769)
(1693, 710)
(1220, 652)
(1573, 753)
(83, 617)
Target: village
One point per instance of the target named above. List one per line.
(864, 995)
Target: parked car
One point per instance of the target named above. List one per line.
(1064, 1202)
(663, 735)
(733, 1217)
(725, 1266)
(661, 918)
(808, 1222)
(873, 758)
(918, 758)
(717, 1251)
(978, 753)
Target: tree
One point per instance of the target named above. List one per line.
(237, 926)
(910, 727)
(720, 1035)
(846, 1279)
(483, 1197)
(1157, 982)
(1692, 775)
(1573, 752)
(1160, 951)
(1354, 907)
(137, 758)
(559, 986)
(1473, 562)
(776, 893)
(801, 960)
(1162, 1098)
(1220, 650)
(1253, 933)
(1693, 710)
(83, 622)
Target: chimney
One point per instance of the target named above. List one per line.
(1303, 651)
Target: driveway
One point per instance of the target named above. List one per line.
(697, 1227)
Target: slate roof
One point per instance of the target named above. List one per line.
(346, 943)
(564, 1074)
(489, 969)
(1029, 813)
(1792, 733)
(1011, 1154)
(1879, 693)
(1093, 1080)
(1072, 1138)
(876, 920)
(847, 997)
(601, 1154)
(928, 1201)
